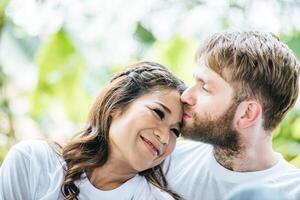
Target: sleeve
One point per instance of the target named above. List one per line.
(14, 176)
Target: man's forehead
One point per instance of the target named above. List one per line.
(202, 72)
(206, 74)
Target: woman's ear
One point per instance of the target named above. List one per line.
(247, 114)
(115, 113)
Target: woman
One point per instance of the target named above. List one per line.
(132, 127)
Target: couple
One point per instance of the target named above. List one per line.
(245, 83)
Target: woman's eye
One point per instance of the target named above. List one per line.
(159, 113)
(176, 132)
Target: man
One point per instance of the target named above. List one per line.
(255, 192)
(245, 83)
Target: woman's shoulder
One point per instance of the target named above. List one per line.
(38, 152)
(31, 148)
(30, 170)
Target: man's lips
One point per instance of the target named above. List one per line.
(186, 116)
(153, 149)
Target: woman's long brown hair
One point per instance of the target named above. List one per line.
(89, 150)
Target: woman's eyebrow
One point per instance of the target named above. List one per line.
(164, 107)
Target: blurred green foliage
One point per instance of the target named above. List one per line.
(143, 34)
(5, 112)
(61, 71)
(293, 41)
(286, 138)
(3, 4)
(177, 54)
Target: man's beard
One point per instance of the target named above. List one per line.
(218, 132)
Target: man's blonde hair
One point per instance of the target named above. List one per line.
(258, 66)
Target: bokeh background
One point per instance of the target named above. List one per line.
(55, 55)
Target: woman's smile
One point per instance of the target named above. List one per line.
(155, 150)
(148, 127)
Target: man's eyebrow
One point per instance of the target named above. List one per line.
(199, 78)
(164, 107)
(204, 81)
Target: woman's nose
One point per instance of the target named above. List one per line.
(163, 135)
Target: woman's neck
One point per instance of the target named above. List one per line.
(111, 175)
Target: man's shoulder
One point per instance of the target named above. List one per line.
(184, 147)
(288, 181)
(187, 156)
(188, 152)
(288, 171)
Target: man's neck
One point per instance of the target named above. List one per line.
(251, 157)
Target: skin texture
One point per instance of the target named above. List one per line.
(154, 117)
(235, 129)
(210, 110)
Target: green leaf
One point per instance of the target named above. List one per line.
(177, 54)
(3, 4)
(296, 161)
(293, 42)
(3, 152)
(61, 69)
(143, 34)
(295, 129)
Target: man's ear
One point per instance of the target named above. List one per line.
(247, 114)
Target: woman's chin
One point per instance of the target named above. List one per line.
(140, 167)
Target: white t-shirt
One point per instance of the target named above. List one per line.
(193, 173)
(32, 170)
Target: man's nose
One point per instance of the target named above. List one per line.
(187, 97)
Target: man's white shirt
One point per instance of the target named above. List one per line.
(193, 172)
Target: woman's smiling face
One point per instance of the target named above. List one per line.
(145, 132)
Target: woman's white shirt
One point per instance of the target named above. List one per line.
(32, 170)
